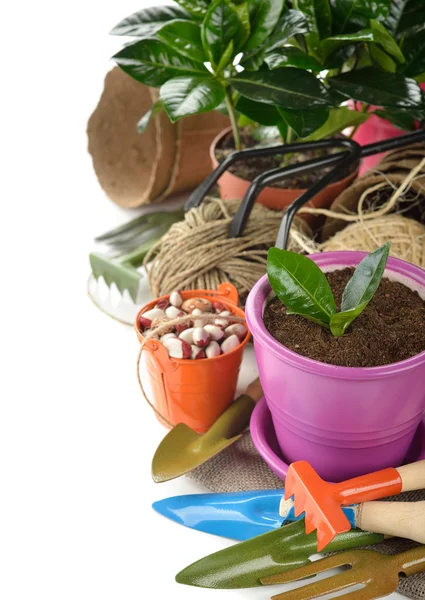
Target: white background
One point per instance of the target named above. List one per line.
(76, 438)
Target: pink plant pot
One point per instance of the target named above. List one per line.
(344, 421)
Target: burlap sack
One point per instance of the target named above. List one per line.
(240, 468)
(136, 169)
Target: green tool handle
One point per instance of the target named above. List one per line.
(136, 257)
(236, 417)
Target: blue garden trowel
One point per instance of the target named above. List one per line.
(237, 515)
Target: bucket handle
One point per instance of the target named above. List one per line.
(225, 290)
(160, 355)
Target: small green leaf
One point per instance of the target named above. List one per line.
(184, 96)
(264, 114)
(197, 8)
(300, 285)
(319, 17)
(291, 56)
(384, 39)
(393, 20)
(339, 119)
(289, 88)
(414, 51)
(331, 44)
(147, 21)
(242, 11)
(145, 120)
(185, 38)
(380, 88)
(367, 276)
(341, 321)
(152, 62)
(381, 58)
(305, 122)
(291, 23)
(226, 58)
(221, 26)
(264, 15)
(404, 121)
(349, 12)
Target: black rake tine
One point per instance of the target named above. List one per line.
(241, 217)
(202, 190)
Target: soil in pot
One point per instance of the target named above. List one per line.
(390, 329)
(252, 167)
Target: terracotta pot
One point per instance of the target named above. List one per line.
(231, 186)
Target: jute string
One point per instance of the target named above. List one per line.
(161, 329)
(197, 253)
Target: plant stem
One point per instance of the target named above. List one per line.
(289, 135)
(365, 108)
(233, 119)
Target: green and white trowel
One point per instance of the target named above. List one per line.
(117, 285)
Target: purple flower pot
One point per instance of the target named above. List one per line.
(344, 421)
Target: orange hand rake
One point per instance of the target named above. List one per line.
(321, 501)
(377, 572)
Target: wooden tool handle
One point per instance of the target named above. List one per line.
(400, 519)
(255, 391)
(412, 476)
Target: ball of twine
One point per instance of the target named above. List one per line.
(197, 253)
(407, 238)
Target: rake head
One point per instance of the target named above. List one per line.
(378, 573)
(317, 499)
(125, 276)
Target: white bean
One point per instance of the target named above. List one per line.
(187, 335)
(167, 336)
(216, 333)
(197, 353)
(230, 344)
(236, 329)
(172, 312)
(212, 350)
(177, 348)
(201, 337)
(176, 299)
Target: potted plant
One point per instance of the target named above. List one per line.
(270, 63)
(345, 388)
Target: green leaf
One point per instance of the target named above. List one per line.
(412, 19)
(290, 88)
(337, 58)
(264, 114)
(300, 285)
(392, 22)
(153, 62)
(366, 279)
(264, 15)
(304, 122)
(374, 86)
(242, 11)
(340, 321)
(319, 17)
(414, 52)
(331, 44)
(221, 26)
(253, 60)
(339, 119)
(183, 96)
(185, 38)
(290, 56)
(381, 58)
(226, 57)
(291, 23)
(402, 120)
(349, 12)
(147, 21)
(384, 39)
(145, 120)
(197, 8)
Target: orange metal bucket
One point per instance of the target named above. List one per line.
(194, 392)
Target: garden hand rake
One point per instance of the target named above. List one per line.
(379, 574)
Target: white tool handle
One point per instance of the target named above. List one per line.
(400, 519)
(412, 476)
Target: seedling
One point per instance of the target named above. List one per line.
(303, 288)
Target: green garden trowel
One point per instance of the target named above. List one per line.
(243, 565)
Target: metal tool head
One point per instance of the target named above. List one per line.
(314, 496)
(245, 565)
(377, 573)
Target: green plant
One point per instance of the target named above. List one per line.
(292, 65)
(304, 289)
